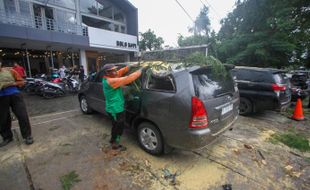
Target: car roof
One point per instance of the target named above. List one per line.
(272, 70)
(175, 70)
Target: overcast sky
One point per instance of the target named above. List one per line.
(167, 19)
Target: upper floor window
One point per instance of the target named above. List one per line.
(102, 8)
(105, 9)
(119, 15)
(89, 6)
(61, 3)
(9, 6)
(65, 17)
(89, 21)
(24, 6)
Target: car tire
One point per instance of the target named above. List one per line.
(150, 138)
(84, 105)
(245, 107)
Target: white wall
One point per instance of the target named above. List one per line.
(107, 39)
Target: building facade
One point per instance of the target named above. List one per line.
(46, 34)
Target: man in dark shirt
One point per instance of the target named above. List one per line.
(10, 97)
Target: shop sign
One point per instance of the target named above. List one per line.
(126, 44)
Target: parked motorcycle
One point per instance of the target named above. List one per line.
(33, 85)
(51, 90)
(71, 83)
(50, 87)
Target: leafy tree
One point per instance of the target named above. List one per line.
(192, 40)
(201, 33)
(202, 23)
(265, 33)
(149, 41)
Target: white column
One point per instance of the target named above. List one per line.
(83, 61)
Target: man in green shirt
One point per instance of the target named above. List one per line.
(112, 81)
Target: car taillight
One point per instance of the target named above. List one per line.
(199, 114)
(278, 87)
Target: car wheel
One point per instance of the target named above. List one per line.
(84, 105)
(150, 138)
(245, 106)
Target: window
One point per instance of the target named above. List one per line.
(208, 84)
(119, 15)
(123, 29)
(160, 83)
(242, 74)
(89, 6)
(65, 3)
(9, 6)
(24, 8)
(89, 21)
(62, 3)
(102, 8)
(65, 17)
(259, 76)
(105, 9)
(116, 28)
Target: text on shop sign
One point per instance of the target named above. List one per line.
(126, 44)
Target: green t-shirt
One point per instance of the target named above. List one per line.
(114, 98)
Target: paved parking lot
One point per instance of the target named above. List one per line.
(37, 105)
(66, 141)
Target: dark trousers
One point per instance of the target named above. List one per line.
(117, 126)
(17, 104)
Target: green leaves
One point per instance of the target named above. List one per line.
(265, 33)
(199, 59)
(149, 41)
(202, 23)
(68, 180)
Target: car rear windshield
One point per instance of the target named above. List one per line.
(208, 84)
(280, 78)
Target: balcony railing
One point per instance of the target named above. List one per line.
(42, 23)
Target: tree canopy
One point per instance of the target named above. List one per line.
(265, 33)
(202, 23)
(200, 30)
(149, 41)
(257, 33)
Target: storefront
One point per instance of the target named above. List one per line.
(40, 61)
(41, 34)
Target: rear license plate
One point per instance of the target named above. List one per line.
(227, 109)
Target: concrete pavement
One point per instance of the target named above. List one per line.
(70, 141)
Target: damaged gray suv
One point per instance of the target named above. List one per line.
(186, 108)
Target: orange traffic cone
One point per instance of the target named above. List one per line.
(298, 113)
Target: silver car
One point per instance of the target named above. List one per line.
(185, 109)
